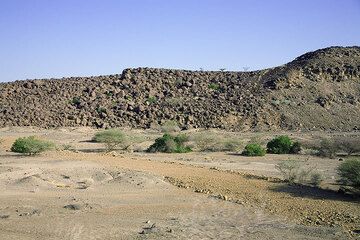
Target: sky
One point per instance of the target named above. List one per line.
(52, 39)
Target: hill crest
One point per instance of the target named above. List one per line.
(317, 91)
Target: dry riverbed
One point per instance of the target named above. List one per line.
(88, 194)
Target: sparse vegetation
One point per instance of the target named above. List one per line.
(170, 144)
(297, 171)
(349, 172)
(206, 141)
(258, 138)
(327, 148)
(31, 145)
(170, 126)
(295, 148)
(67, 147)
(75, 101)
(283, 145)
(1, 141)
(303, 173)
(316, 179)
(233, 145)
(128, 97)
(349, 145)
(330, 147)
(100, 110)
(112, 138)
(151, 99)
(109, 93)
(289, 169)
(254, 149)
(214, 86)
(175, 101)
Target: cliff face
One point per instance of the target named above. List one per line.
(318, 90)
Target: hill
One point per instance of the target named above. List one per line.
(319, 90)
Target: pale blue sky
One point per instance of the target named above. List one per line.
(47, 38)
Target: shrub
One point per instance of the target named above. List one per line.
(170, 144)
(206, 141)
(75, 101)
(283, 145)
(349, 172)
(233, 145)
(348, 145)
(279, 145)
(327, 148)
(210, 141)
(316, 179)
(151, 99)
(295, 148)
(31, 145)
(112, 138)
(297, 171)
(67, 147)
(302, 174)
(254, 149)
(100, 110)
(289, 169)
(109, 93)
(331, 147)
(214, 86)
(170, 127)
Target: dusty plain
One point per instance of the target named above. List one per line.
(85, 193)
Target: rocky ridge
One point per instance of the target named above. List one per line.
(319, 90)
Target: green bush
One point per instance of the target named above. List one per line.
(170, 144)
(254, 149)
(151, 99)
(75, 101)
(31, 145)
(100, 110)
(283, 145)
(109, 93)
(112, 138)
(349, 172)
(295, 148)
(214, 86)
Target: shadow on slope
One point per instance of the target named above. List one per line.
(314, 193)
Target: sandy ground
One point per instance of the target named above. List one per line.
(88, 194)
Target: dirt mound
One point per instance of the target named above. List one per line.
(317, 91)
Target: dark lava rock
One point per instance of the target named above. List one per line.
(142, 97)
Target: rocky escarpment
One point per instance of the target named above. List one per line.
(318, 90)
